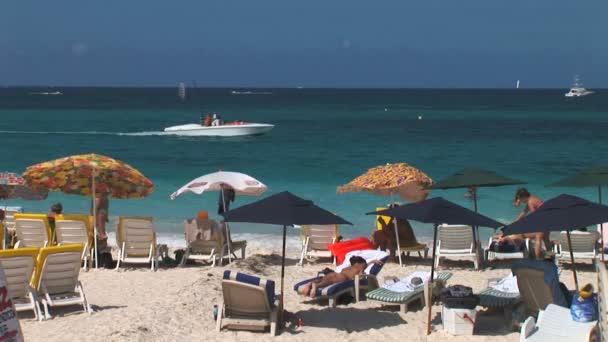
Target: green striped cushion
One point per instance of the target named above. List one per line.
(492, 298)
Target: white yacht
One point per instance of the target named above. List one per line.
(577, 89)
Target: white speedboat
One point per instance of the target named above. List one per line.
(577, 89)
(233, 129)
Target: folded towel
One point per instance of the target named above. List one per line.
(507, 284)
(405, 284)
(368, 255)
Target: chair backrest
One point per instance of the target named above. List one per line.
(319, 236)
(202, 229)
(57, 269)
(455, 237)
(582, 242)
(381, 221)
(538, 283)
(33, 230)
(70, 229)
(18, 266)
(9, 216)
(137, 234)
(247, 295)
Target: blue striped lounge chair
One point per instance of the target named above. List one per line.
(249, 303)
(354, 287)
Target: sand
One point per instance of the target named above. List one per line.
(176, 304)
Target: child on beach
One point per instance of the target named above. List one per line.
(357, 266)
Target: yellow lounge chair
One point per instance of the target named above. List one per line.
(56, 277)
(32, 230)
(19, 266)
(136, 241)
(315, 241)
(71, 229)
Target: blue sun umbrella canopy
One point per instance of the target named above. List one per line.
(284, 209)
(438, 210)
(564, 212)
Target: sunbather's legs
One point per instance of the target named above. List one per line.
(305, 290)
(331, 278)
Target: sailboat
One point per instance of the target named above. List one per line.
(517, 85)
(181, 90)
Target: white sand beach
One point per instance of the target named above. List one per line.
(176, 304)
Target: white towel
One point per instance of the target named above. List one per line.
(368, 255)
(507, 284)
(405, 284)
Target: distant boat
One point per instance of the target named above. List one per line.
(181, 90)
(517, 86)
(577, 89)
(233, 129)
(48, 93)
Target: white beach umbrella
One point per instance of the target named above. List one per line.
(240, 183)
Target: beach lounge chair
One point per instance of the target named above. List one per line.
(9, 225)
(406, 246)
(501, 294)
(386, 296)
(136, 241)
(72, 229)
(248, 303)
(456, 241)
(207, 243)
(19, 265)
(315, 241)
(584, 246)
(354, 287)
(491, 255)
(555, 324)
(56, 277)
(32, 230)
(538, 283)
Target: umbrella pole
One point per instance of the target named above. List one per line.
(429, 301)
(94, 223)
(476, 230)
(282, 276)
(398, 251)
(599, 196)
(572, 260)
(228, 237)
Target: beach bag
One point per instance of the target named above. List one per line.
(459, 297)
(584, 305)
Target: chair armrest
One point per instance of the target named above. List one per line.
(527, 328)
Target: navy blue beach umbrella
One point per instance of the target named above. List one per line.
(283, 209)
(438, 210)
(564, 212)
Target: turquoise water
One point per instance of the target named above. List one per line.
(322, 139)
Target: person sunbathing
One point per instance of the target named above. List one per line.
(357, 267)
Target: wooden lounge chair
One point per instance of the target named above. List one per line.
(555, 324)
(32, 230)
(538, 283)
(403, 299)
(136, 241)
(206, 242)
(315, 241)
(74, 229)
(56, 277)
(19, 265)
(456, 241)
(410, 245)
(248, 303)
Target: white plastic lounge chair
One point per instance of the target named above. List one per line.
(491, 255)
(73, 229)
(385, 296)
(315, 241)
(248, 303)
(9, 225)
(455, 241)
(32, 230)
(206, 242)
(555, 324)
(136, 241)
(501, 294)
(56, 277)
(584, 245)
(19, 265)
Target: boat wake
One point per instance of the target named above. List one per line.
(139, 134)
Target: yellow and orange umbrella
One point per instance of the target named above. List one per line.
(391, 179)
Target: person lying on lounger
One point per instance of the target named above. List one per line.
(357, 267)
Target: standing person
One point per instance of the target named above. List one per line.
(102, 205)
(227, 195)
(56, 209)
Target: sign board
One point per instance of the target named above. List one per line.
(10, 330)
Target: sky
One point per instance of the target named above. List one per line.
(313, 43)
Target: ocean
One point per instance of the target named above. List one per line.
(323, 138)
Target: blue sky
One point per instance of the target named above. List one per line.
(390, 43)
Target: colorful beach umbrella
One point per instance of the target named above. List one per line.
(88, 174)
(283, 209)
(437, 211)
(391, 179)
(588, 178)
(564, 212)
(240, 183)
(13, 186)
